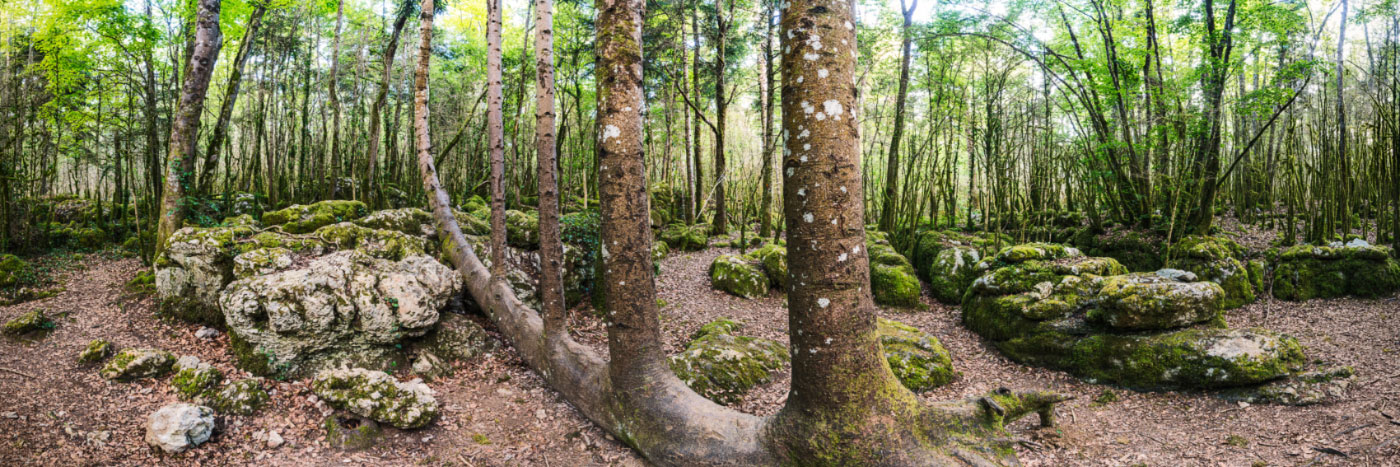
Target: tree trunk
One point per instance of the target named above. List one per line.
(495, 134)
(887, 206)
(720, 225)
(699, 201)
(765, 215)
(377, 109)
(211, 156)
(183, 131)
(551, 249)
(330, 172)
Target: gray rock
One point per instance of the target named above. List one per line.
(378, 396)
(1177, 275)
(179, 427)
(207, 333)
(132, 364)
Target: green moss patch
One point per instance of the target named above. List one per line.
(96, 351)
(306, 218)
(132, 364)
(1219, 260)
(917, 358)
(31, 323)
(723, 367)
(738, 276)
(686, 237)
(1358, 269)
(378, 396)
(242, 397)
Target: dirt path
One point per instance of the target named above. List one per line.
(497, 412)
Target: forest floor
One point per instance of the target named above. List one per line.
(498, 412)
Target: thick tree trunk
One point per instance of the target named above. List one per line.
(551, 249)
(887, 206)
(495, 135)
(376, 111)
(211, 156)
(185, 127)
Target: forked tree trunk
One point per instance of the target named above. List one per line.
(845, 407)
(184, 130)
(235, 78)
(495, 136)
(372, 151)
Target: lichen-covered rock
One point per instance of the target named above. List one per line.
(261, 261)
(1148, 301)
(28, 323)
(306, 218)
(194, 379)
(380, 243)
(455, 338)
(917, 358)
(738, 276)
(686, 237)
(722, 367)
(378, 396)
(96, 351)
(718, 326)
(773, 257)
(409, 221)
(429, 367)
(351, 433)
(523, 229)
(178, 427)
(130, 364)
(893, 280)
(1138, 250)
(341, 308)
(1355, 268)
(243, 203)
(1310, 388)
(197, 264)
(242, 397)
(1219, 260)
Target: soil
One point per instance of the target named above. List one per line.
(498, 412)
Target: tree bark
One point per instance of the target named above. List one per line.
(551, 248)
(211, 156)
(330, 170)
(720, 225)
(376, 110)
(180, 164)
(765, 215)
(495, 134)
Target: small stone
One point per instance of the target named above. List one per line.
(274, 440)
(27, 323)
(133, 364)
(207, 333)
(96, 351)
(1177, 275)
(179, 427)
(540, 414)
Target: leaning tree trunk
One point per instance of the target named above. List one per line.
(495, 135)
(860, 413)
(183, 131)
(235, 78)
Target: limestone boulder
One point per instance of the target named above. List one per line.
(132, 364)
(178, 427)
(723, 367)
(1148, 301)
(738, 276)
(378, 396)
(917, 358)
(1219, 260)
(1355, 268)
(306, 218)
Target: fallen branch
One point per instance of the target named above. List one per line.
(17, 372)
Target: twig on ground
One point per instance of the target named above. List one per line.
(17, 372)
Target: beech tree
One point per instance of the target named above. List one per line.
(180, 161)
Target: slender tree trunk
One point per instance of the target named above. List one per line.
(331, 170)
(211, 156)
(376, 111)
(695, 91)
(765, 216)
(888, 203)
(495, 131)
(551, 249)
(1344, 171)
(722, 24)
(186, 125)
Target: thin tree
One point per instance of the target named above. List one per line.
(887, 206)
(495, 135)
(331, 177)
(405, 8)
(765, 91)
(183, 131)
(551, 248)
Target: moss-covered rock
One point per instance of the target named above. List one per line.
(718, 326)
(96, 351)
(523, 229)
(195, 267)
(893, 280)
(686, 237)
(242, 397)
(13, 270)
(455, 338)
(378, 396)
(195, 379)
(408, 221)
(261, 261)
(306, 218)
(1149, 301)
(1219, 260)
(738, 276)
(722, 367)
(1356, 268)
(29, 323)
(392, 245)
(351, 433)
(773, 257)
(131, 364)
(1309, 388)
(1138, 250)
(917, 358)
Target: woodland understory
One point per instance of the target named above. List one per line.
(1098, 215)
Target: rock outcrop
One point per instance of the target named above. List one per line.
(738, 275)
(1222, 261)
(1338, 269)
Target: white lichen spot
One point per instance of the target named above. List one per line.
(811, 57)
(841, 258)
(789, 171)
(799, 80)
(821, 116)
(833, 108)
(823, 302)
(821, 73)
(801, 192)
(807, 217)
(610, 131)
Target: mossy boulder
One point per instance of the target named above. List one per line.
(1355, 268)
(408, 221)
(378, 396)
(194, 380)
(306, 218)
(948, 260)
(523, 229)
(718, 326)
(1149, 301)
(686, 237)
(392, 245)
(455, 338)
(242, 397)
(1308, 388)
(917, 358)
(132, 364)
(723, 367)
(893, 280)
(195, 267)
(351, 433)
(29, 323)
(738, 276)
(1138, 250)
(341, 308)
(96, 351)
(262, 261)
(773, 257)
(1219, 260)
(13, 270)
